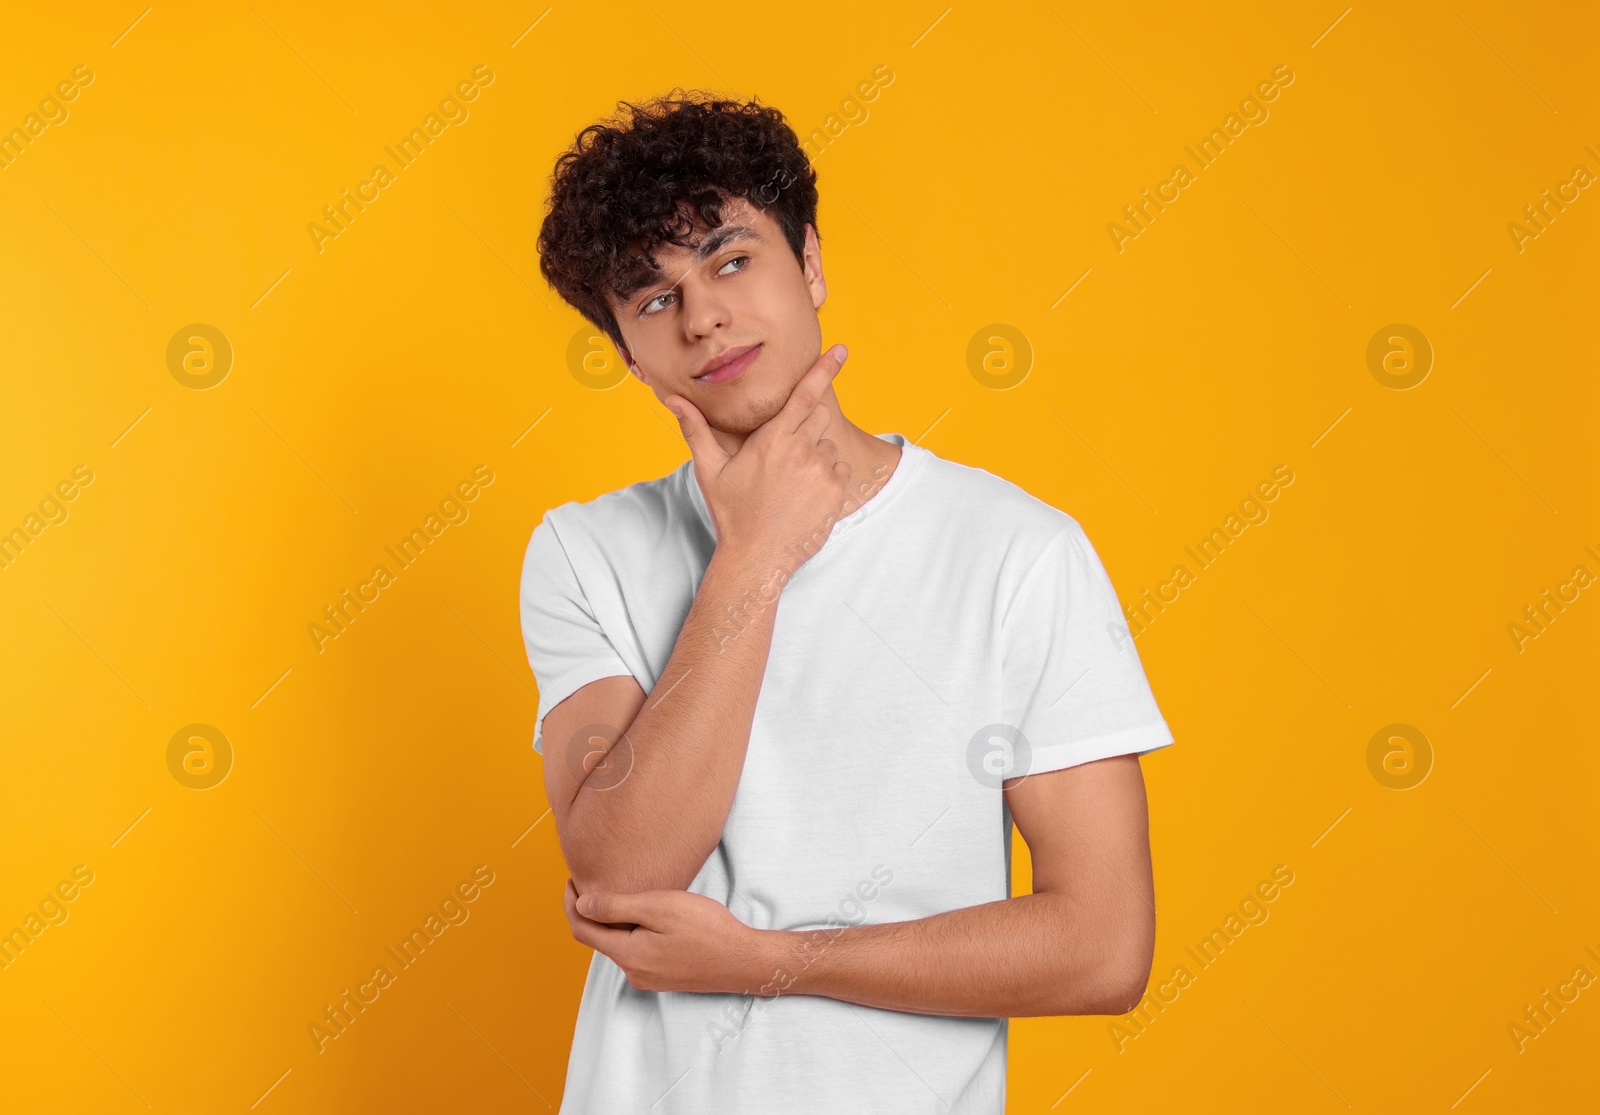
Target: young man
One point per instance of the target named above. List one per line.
(794, 694)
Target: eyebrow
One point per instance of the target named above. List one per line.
(713, 242)
(722, 236)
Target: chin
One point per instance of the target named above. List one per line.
(747, 419)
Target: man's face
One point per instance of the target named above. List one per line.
(736, 286)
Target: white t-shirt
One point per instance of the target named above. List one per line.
(952, 631)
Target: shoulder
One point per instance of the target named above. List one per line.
(982, 505)
(628, 520)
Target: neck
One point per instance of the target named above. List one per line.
(866, 455)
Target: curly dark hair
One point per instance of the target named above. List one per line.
(636, 181)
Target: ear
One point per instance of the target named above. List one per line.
(627, 358)
(815, 283)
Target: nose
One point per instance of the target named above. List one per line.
(704, 310)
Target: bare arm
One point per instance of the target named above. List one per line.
(1082, 943)
(641, 800)
(642, 806)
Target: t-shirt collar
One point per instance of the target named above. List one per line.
(910, 457)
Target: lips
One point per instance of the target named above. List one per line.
(728, 365)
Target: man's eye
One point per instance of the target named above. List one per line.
(655, 305)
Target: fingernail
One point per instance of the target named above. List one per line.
(841, 353)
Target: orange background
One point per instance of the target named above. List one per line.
(367, 379)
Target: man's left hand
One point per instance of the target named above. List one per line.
(677, 940)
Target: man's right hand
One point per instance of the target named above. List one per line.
(773, 499)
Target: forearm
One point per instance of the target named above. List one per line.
(650, 816)
(1036, 954)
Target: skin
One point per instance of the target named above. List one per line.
(751, 290)
(641, 805)
(612, 760)
(1081, 943)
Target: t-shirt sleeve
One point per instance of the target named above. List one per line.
(566, 646)
(1074, 686)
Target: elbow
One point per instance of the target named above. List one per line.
(1120, 981)
(1130, 954)
(1123, 993)
(591, 870)
(599, 858)
(599, 864)
(1127, 978)
(587, 882)
(1110, 991)
(597, 873)
(1105, 993)
(1126, 974)
(597, 878)
(623, 881)
(1113, 988)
